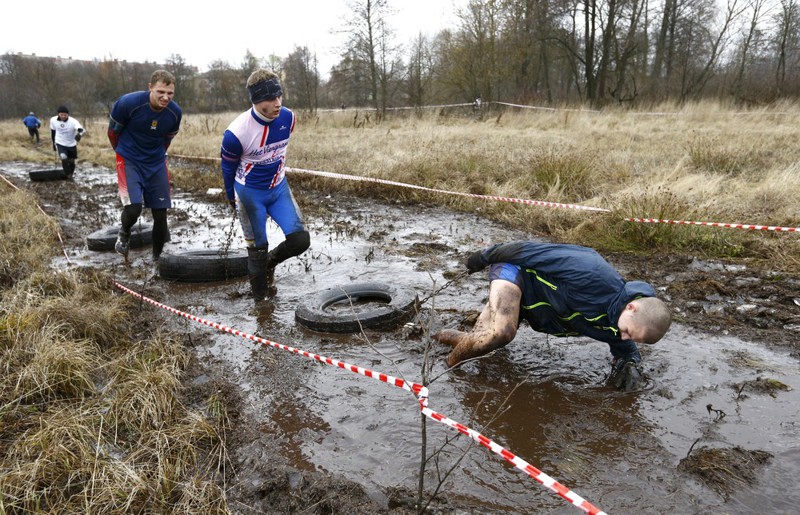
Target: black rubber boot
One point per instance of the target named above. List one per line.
(70, 168)
(269, 271)
(257, 271)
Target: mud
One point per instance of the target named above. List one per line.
(307, 437)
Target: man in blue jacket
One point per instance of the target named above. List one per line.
(562, 290)
(33, 124)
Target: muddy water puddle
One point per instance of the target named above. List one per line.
(542, 398)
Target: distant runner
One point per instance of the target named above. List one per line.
(33, 124)
(66, 132)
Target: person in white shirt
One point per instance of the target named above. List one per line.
(66, 132)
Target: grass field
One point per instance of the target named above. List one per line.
(700, 162)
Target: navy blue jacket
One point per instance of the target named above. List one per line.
(569, 290)
(31, 121)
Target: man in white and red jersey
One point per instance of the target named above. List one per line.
(141, 128)
(253, 159)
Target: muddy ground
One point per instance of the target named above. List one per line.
(305, 439)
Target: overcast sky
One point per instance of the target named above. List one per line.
(201, 32)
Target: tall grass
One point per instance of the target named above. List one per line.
(717, 164)
(92, 418)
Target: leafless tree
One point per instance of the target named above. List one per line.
(371, 41)
(420, 71)
(758, 8)
(301, 78)
(786, 40)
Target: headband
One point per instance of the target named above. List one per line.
(269, 89)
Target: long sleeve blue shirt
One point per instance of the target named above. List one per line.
(570, 290)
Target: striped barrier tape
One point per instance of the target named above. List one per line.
(715, 224)
(333, 175)
(561, 109)
(416, 389)
(403, 108)
(542, 203)
(435, 190)
(518, 462)
(420, 391)
(554, 109)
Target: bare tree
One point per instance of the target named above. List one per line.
(757, 9)
(481, 32)
(786, 39)
(301, 78)
(224, 88)
(185, 75)
(693, 84)
(420, 71)
(627, 50)
(370, 41)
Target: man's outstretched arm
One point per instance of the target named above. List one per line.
(496, 326)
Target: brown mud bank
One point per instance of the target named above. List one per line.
(310, 438)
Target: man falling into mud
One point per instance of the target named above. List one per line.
(253, 158)
(562, 290)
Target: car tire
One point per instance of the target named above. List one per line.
(201, 266)
(47, 175)
(106, 238)
(314, 313)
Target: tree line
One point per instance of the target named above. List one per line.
(544, 52)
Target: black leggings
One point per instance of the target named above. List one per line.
(131, 213)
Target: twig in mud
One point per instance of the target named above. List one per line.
(693, 444)
(719, 414)
(442, 477)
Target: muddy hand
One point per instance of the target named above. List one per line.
(449, 337)
(626, 376)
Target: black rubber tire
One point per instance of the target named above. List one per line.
(401, 305)
(106, 238)
(47, 175)
(202, 266)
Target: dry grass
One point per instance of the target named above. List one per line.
(91, 414)
(21, 252)
(700, 162)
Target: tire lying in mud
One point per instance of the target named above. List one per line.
(202, 266)
(47, 175)
(105, 238)
(315, 313)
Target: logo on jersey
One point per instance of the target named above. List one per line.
(154, 125)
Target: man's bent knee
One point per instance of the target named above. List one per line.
(298, 242)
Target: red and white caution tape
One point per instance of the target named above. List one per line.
(420, 391)
(715, 224)
(358, 178)
(523, 106)
(416, 389)
(542, 203)
(333, 175)
(518, 462)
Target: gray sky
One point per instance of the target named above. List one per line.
(201, 31)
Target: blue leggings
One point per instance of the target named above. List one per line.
(255, 205)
